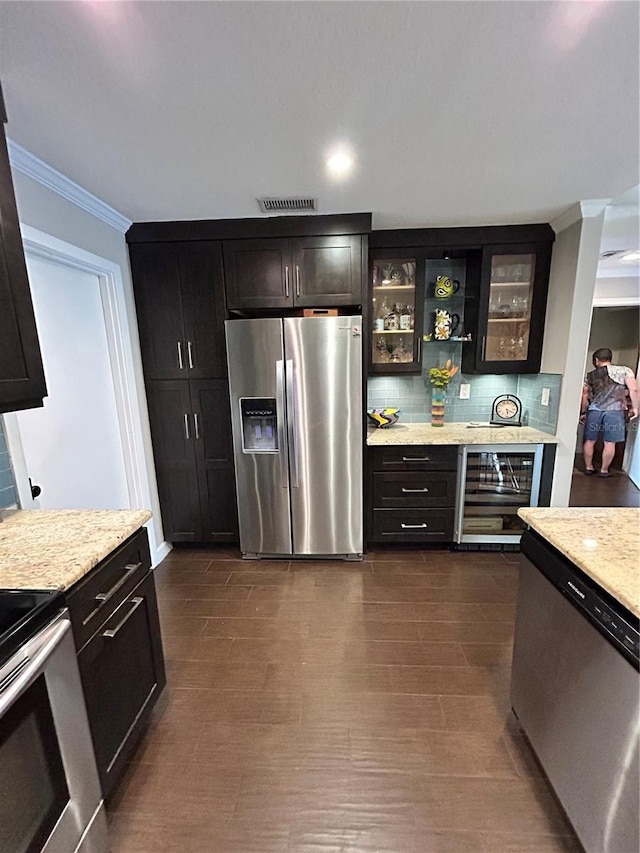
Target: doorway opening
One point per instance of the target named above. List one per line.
(618, 328)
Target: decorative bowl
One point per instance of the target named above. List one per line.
(383, 418)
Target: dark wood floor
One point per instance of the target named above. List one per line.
(615, 490)
(324, 707)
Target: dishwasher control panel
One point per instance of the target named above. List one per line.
(609, 616)
(621, 633)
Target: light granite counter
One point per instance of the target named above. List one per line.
(54, 549)
(455, 433)
(602, 541)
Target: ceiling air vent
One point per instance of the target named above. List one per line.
(274, 204)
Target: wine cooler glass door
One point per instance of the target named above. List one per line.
(495, 482)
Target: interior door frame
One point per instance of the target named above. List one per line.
(140, 478)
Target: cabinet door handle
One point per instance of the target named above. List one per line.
(411, 491)
(129, 569)
(484, 347)
(286, 282)
(187, 434)
(419, 348)
(137, 601)
(412, 526)
(180, 359)
(297, 280)
(190, 354)
(416, 459)
(196, 424)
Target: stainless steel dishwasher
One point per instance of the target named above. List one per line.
(576, 692)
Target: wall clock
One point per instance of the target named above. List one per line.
(506, 411)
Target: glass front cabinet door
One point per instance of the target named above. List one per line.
(511, 308)
(396, 321)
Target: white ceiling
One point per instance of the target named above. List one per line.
(458, 113)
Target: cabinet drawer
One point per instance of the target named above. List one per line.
(393, 490)
(416, 458)
(95, 598)
(413, 525)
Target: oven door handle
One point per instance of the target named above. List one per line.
(22, 675)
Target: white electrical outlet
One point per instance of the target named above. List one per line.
(544, 400)
(465, 391)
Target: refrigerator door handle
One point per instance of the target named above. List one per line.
(291, 424)
(280, 414)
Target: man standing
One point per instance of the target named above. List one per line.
(604, 403)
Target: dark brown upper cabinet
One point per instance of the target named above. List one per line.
(179, 299)
(300, 272)
(511, 309)
(22, 382)
(488, 283)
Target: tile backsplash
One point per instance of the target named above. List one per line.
(7, 484)
(412, 395)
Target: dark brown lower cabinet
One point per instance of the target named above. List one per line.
(412, 494)
(122, 675)
(114, 613)
(193, 450)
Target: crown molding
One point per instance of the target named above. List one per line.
(579, 211)
(23, 161)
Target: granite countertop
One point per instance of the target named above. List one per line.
(602, 541)
(455, 433)
(53, 549)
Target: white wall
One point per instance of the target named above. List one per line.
(45, 210)
(621, 290)
(571, 287)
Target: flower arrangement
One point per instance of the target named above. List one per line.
(441, 376)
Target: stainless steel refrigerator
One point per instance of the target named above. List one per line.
(297, 416)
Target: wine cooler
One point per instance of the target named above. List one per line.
(494, 481)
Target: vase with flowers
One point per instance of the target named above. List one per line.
(440, 378)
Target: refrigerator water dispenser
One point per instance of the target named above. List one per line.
(259, 424)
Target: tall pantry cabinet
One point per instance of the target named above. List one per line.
(179, 294)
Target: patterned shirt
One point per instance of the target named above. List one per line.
(607, 389)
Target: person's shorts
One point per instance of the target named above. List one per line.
(609, 426)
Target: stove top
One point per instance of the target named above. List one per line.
(23, 614)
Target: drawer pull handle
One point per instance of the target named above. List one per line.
(412, 526)
(129, 569)
(416, 459)
(411, 491)
(109, 635)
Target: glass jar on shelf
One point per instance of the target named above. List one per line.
(392, 319)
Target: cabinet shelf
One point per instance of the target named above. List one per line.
(509, 319)
(510, 284)
(447, 341)
(394, 332)
(394, 287)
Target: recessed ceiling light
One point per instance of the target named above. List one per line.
(339, 163)
(631, 256)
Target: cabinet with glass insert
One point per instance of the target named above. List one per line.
(475, 295)
(396, 325)
(511, 309)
